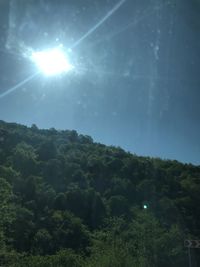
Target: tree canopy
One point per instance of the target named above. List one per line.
(68, 201)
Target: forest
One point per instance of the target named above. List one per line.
(66, 200)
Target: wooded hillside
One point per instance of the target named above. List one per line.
(67, 201)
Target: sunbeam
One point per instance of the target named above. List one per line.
(107, 16)
(14, 88)
(147, 13)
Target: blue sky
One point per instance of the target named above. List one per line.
(136, 83)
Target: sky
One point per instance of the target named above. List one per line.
(135, 82)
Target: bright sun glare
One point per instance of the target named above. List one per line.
(52, 62)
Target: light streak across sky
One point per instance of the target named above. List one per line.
(107, 16)
(14, 88)
(147, 13)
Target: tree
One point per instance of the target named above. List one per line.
(68, 231)
(42, 242)
(7, 212)
(23, 229)
(47, 150)
(24, 159)
(118, 206)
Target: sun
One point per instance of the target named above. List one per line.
(52, 61)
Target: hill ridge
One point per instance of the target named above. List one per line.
(86, 203)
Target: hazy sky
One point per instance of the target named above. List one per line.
(136, 82)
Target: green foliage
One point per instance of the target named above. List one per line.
(64, 258)
(24, 158)
(7, 211)
(67, 201)
(107, 254)
(42, 242)
(118, 206)
(5, 197)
